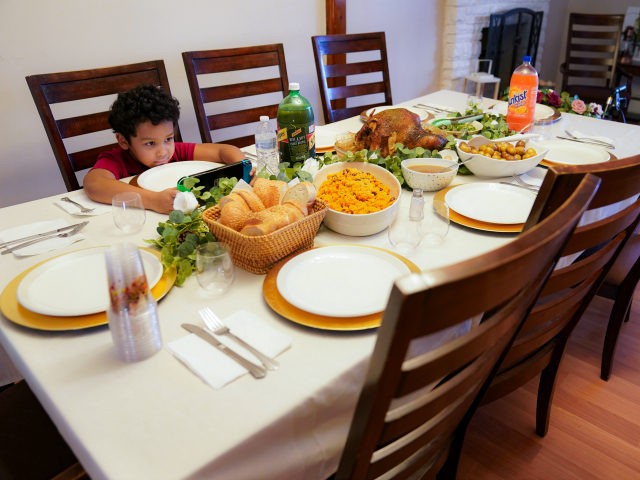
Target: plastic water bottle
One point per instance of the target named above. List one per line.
(296, 127)
(266, 149)
(523, 92)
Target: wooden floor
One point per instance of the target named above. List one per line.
(594, 432)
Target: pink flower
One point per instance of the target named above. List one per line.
(554, 99)
(578, 106)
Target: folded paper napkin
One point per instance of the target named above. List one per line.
(216, 368)
(82, 199)
(43, 245)
(578, 134)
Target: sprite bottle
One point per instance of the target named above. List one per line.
(296, 127)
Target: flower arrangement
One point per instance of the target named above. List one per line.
(564, 102)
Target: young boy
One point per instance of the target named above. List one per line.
(143, 120)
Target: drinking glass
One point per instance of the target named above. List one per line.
(435, 225)
(214, 267)
(128, 212)
(406, 232)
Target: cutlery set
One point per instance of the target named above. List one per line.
(18, 243)
(592, 141)
(214, 326)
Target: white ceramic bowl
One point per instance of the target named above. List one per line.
(429, 182)
(483, 166)
(360, 225)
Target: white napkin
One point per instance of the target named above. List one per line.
(43, 245)
(81, 198)
(578, 134)
(217, 369)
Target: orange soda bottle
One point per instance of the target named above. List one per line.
(523, 92)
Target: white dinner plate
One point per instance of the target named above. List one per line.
(76, 283)
(574, 153)
(340, 281)
(542, 112)
(424, 114)
(491, 202)
(325, 138)
(167, 175)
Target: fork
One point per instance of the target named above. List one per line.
(216, 326)
(525, 184)
(82, 208)
(433, 109)
(68, 233)
(595, 141)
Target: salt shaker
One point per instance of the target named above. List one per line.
(132, 313)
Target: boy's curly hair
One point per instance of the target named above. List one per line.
(141, 104)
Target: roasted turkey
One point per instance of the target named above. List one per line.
(395, 125)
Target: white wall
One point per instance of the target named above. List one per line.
(42, 36)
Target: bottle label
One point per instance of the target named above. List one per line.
(518, 100)
(296, 144)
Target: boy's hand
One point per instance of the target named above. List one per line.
(162, 202)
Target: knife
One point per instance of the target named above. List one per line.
(67, 233)
(43, 234)
(256, 370)
(589, 141)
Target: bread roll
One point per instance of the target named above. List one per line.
(234, 214)
(269, 191)
(271, 219)
(298, 195)
(253, 201)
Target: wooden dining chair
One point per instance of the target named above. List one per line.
(353, 73)
(74, 108)
(231, 88)
(539, 347)
(31, 448)
(417, 397)
(590, 68)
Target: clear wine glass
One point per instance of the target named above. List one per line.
(214, 267)
(128, 211)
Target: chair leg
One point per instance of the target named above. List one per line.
(546, 389)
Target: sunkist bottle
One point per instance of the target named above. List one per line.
(266, 149)
(296, 127)
(523, 91)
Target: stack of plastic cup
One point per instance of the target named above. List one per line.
(132, 314)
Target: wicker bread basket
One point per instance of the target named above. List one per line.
(257, 254)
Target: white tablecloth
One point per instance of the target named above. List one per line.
(156, 419)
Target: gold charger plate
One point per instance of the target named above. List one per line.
(281, 306)
(438, 203)
(20, 315)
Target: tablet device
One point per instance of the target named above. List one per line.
(210, 178)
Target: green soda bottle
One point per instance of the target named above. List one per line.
(296, 127)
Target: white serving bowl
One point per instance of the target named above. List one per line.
(428, 181)
(484, 166)
(360, 225)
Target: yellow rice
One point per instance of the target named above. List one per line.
(353, 191)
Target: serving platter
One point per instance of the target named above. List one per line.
(282, 306)
(166, 176)
(493, 203)
(75, 283)
(18, 314)
(422, 113)
(439, 202)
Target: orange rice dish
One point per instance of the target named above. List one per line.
(353, 191)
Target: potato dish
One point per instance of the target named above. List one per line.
(501, 150)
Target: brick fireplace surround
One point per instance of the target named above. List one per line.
(463, 24)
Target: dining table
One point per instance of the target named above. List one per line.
(156, 419)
